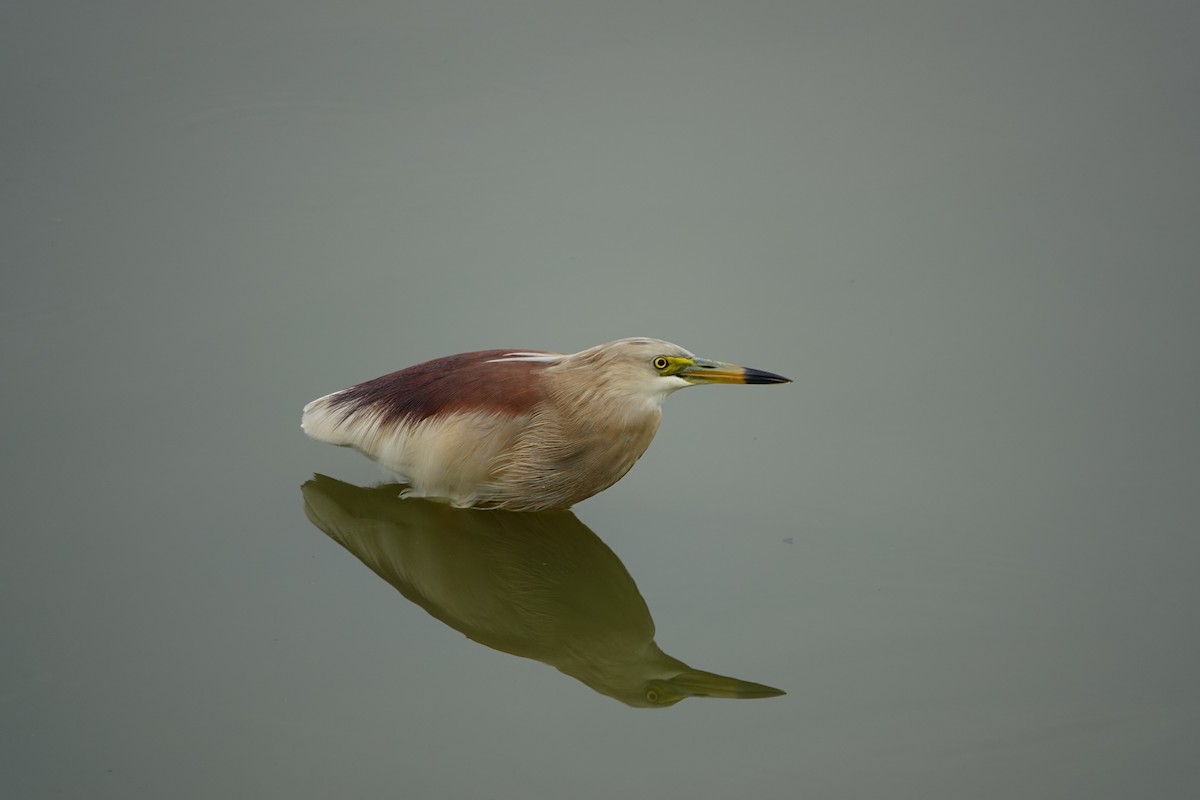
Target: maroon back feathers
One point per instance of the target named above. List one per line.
(463, 382)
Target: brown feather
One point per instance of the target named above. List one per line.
(463, 382)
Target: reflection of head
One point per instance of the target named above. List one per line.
(536, 585)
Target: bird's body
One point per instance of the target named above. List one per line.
(518, 430)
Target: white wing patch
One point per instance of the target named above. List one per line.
(448, 457)
(544, 358)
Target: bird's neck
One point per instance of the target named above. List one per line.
(605, 404)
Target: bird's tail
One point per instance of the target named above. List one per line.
(324, 421)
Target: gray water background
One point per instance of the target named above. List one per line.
(964, 541)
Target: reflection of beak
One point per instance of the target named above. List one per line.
(697, 683)
(702, 370)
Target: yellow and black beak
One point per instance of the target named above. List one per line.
(703, 370)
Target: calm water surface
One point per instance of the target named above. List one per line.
(963, 542)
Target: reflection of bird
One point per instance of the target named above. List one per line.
(517, 430)
(539, 586)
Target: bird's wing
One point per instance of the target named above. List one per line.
(438, 423)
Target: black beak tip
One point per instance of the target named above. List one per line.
(761, 376)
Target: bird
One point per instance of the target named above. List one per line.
(540, 586)
(517, 430)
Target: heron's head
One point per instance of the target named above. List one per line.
(654, 368)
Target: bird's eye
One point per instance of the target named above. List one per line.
(660, 363)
